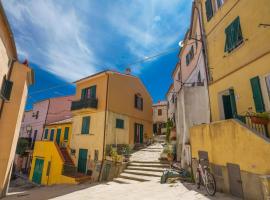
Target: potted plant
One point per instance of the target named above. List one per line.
(260, 118)
(126, 151)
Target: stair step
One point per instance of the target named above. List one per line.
(135, 177)
(159, 165)
(152, 169)
(124, 181)
(143, 173)
(152, 162)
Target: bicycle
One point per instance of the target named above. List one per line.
(204, 177)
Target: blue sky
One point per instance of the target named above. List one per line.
(67, 40)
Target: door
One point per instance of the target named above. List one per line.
(58, 136)
(235, 180)
(82, 160)
(226, 99)
(37, 175)
(138, 134)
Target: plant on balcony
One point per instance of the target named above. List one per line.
(260, 118)
(114, 155)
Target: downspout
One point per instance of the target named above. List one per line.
(105, 120)
(45, 119)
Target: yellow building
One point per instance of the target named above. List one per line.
(238, 53)
(14, 81)
(51, 162)
(110, 108)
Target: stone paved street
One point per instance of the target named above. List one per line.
(134, 190)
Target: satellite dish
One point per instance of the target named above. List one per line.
(181, 43)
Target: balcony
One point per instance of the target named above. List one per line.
(84, 103)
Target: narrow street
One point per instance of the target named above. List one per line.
(139, 181)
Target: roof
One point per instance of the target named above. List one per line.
(11, 37)
(65, 121)
(161, 103)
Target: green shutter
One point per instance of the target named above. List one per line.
(83, 94)
(209, 9)
(66, 133)
(93, 91)
(6, 88)
(257, 94)
(85, 125)
(46, 134)
(233, 103)
(233, 35)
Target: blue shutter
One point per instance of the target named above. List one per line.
(85, 125)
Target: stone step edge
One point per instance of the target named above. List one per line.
(141, 173)
(133, 178)
(145, 169)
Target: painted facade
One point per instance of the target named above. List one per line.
(109, 108)
(33, 123)
(14, 81)
(190, 78)
(171, 99)
(160, 117)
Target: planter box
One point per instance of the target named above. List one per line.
(259, 120)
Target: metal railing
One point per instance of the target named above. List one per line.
(255, 123)
(84, 103)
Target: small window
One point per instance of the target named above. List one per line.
(52, 135)
(190, 56)
(66, 133)
(119, 123)
(159, 112)
(233, 35)
(85, 125)
(6, 89)
(46, 133)
(138, 102)
(209, 9)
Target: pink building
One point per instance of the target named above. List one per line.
(32, 128)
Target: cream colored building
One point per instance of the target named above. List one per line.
(14, 81)
(109, 108)
(160, 117)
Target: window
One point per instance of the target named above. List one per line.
(219, 3)
(267, 80)
(52, 135)
(257, 94)
(159, 112)
(196, 40)
(138, 102)
(89, 93)
(119, 123)
(46, 134)
(233, 35)
(85, 125)
(209, 9)
(6, 88)
(179, 76)
(190, 55)
(66, 133)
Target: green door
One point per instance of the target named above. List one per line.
(227, 106)
(138, 133)
(58, 136)
(141, 134)
(37, 175)
(257, 94)
(82, 161)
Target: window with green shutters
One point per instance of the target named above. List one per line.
(66, 133)
(119, 123)
(209, 9)
(89, 93)
(85, 125)
(46, 134)
(257, 94)
(233, 35)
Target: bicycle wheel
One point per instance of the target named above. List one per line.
(198, 179)
(210, 184)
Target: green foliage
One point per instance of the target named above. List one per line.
(168, 149)
(264, 115)
(114, 155)
(126, 150)
(22, 146)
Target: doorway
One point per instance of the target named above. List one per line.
(138, 134)
(228, 102)
(82, 160)
(235, 180)
(37, 175)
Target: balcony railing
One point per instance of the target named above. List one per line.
(84, 103)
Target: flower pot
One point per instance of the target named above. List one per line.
(259, 120)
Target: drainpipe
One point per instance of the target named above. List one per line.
(105, 123)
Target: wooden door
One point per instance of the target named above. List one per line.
(82, 160)
(37, 175)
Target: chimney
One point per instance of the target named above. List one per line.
(128, 71)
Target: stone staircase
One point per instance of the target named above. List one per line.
(144, 166)
(66, 156)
